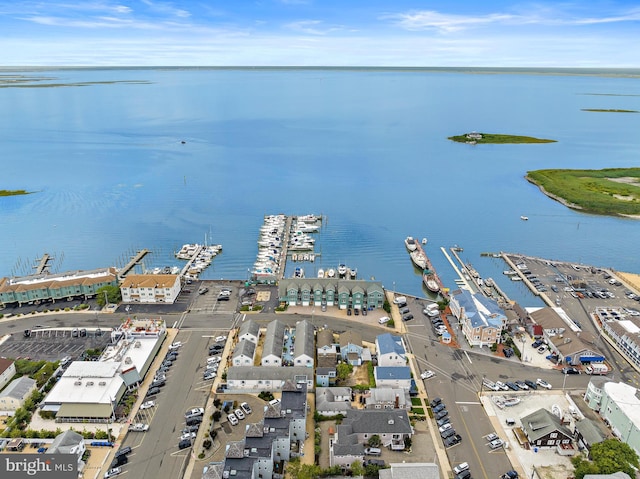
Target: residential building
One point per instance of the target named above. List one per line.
(258, 378)
(326, 348)
(398, 377)
(595, 390)
(150, 288)
(481, 318)
(7, 371)
(304, 344)
(249, 331)
(587, 433)
(16, 393)
(391, 350)
(569, 343)
(545, 430)
(333, 401)
(625, 333)
(69, 442)
(620, 409)
(243, 353)
(414, 470)
(273, 343)
(326, 377)
(388, 398)
(45, 287)
(351, 347)
(342, 292)
(392, 426)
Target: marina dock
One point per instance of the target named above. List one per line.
(43, 263)
(135, 260)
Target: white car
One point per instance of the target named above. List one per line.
(543, 383)
(175, 345)
(384, 320)
(427, 374)
(239, 414)
(196, 411)
(112, 472)
(232, 419)
(147, 405)
(246, 408)
(445, 427)
(139, 427)
(220, 339)
(190, 436)
(400, 300)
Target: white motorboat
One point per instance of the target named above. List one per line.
(424, 240)
(419, 259)
(320, 273)
(342, 270)
(410, 243)
(331, 273)
(353, 273)
(524, 218)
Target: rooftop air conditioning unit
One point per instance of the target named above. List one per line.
(137, 344)
(102, 383)
(78, 383)
(127, 360)
(90, 383)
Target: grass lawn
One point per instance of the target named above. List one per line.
(610, 191)
(416, 402)
(417, 410)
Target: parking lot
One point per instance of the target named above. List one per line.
(54, 344)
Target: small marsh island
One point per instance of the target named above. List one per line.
(610, 191)
(13, 192)
(475, 138)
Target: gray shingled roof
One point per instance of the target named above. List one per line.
(64, 442)
(250, 327)
(378, 421)
(274, 339)
(324, 337)
(244, 348)
(351, 337)
(18, 388)
(417, 470)
(540, 423)
(304, 342)
(249, 373)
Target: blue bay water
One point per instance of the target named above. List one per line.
(366, 148)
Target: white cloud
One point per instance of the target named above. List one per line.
(428, 19)
(312, 27)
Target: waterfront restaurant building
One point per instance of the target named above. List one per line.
(150, 288)
(481, 318)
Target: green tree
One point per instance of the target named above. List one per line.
(583, 467)
(607, 457)
(113, 295)
(357, 469)
(374, 441)
(343, 371)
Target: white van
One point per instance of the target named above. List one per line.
(373, 451)
(400, 300)
(384, 320)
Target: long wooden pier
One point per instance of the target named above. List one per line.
(135, 260)
(282, 261)
(43, 263)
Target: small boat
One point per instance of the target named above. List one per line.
(516, 278)
(342, 270)
(410, 243)
(419, 259)
(331, 273)
(524, 218)
(429, 280)
(424, 240)
(320, 273)
(509, 272)
(298, 273)
(511, 401)
(353, 273)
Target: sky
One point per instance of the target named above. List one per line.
(393, 33)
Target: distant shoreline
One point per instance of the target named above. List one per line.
(14, 192)
(475, 138)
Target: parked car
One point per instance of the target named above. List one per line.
(496, 443)
(209, 376)
(220, 339)
(232, 419)
(427, 374)
(513, 386)
(400, 300)
(435, 402)
(193, 412)
(438, 408)
(407, 317)
(445, 427)
(192, 421)
(441, 414)
(372, 451)
(447, 433)
(384, 320)
(522, 385)
(461, 467)
(453, 440)
(570, 370)
(531, 384)
(188, 435)
(466, 474)
(239, 414)
(192, 428)
(139, 427)
(153, 392)
(147, 405)
(184, 443)
(112, 472)
(443, 421)
(246, 408)
(543, 383)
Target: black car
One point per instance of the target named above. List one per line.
(435, 402)
(192, 421)
(216, 347)
(531, 384)
(167, 362)
(157, 384)
(119, 461)
(453, 440)
(441, 414)
(512, 386)
(348, 311)
(185, 443)
(191, 428)
(153, 392)
(356, 311)
(364, 311)
(123, 451)
(407, 317)
(443, 421)
(466, 474)
(405, 310)
(438, 408)
(447, 433)
(570, 371)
